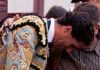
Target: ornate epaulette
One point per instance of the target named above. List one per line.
(35, 22)
(41, 49)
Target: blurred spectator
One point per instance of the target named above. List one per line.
(56, 12)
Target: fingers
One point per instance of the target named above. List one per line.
(8, 22)
(16, 17)
(1, 29)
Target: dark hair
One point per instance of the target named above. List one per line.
(56, 12)
(82, 26)
(92, 11)
(75, 1)
(89, 8)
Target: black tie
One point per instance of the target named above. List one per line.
(48, 23)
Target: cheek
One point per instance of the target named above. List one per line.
(59, 38)
(69, 41)
(66, 42)
(60, 35)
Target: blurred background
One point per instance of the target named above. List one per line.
(39, 7)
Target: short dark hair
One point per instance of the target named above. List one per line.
(89, 8)
(76, 1)
(82, 26)
(92, 11)
(56, 12)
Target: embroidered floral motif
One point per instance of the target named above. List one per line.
(29, 44)
(14, 67)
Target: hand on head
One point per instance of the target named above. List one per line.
(8, 22)
(16, 17)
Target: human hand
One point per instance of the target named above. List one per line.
(8, 22)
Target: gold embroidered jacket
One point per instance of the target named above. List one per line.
(25, 45)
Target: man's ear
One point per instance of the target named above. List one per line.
(96, 27)
(67, 28)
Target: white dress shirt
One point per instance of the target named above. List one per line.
(51, 30)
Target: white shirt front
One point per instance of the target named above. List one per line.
(51, 30)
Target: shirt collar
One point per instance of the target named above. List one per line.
(51, 30)
(95, 48)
